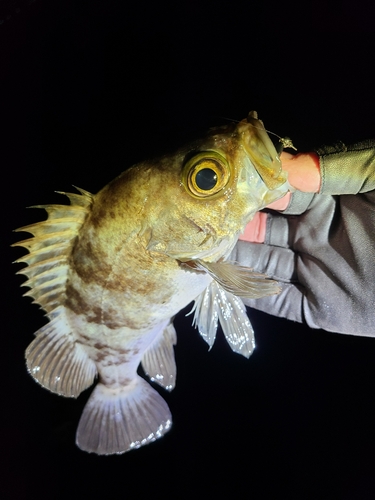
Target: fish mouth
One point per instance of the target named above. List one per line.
(262, 152)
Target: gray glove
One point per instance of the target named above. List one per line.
(321, 249)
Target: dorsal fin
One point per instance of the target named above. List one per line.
(50, 248)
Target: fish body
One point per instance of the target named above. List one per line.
(112, 270)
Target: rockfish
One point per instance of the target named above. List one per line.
(112, 270)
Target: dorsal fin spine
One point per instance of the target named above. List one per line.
(50, 248)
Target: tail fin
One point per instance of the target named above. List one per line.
(122, 419)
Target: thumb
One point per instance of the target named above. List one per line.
(255, 230)
(278, 263)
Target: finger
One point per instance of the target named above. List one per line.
(303, 171)
(280, 264)
(277, 262)
(287, 304)
(286, 156)
(255, 231)
(281, 204)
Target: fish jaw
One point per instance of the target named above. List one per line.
(255, 191)
(262, 152)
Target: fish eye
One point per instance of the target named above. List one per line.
(206, 174)
(206, 179)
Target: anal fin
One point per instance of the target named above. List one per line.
(158, 361)
(57, 362)
(118, 420)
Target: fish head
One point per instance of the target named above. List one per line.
(226, 178)
(234, 162)
(195, 203)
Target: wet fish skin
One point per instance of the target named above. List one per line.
(112, 270)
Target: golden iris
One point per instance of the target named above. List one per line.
(206, 174)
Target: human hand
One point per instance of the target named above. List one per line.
(303, 175)
(319, 247)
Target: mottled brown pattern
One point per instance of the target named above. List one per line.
(74, 301)
(92, 266)
(100, 346)
(105, 354)
(136, 285)
(127, 351)
(83, 337)
(125, 381)
(107, 318)
(109, 357)
(100, 356)
(120, 382)
(93, 314)
(97, 216)
(89, 262)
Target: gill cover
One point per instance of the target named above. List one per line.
(206, 175)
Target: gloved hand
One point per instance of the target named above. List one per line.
(321, 247)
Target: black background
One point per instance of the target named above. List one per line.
(87, 89)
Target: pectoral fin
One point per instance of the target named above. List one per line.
(240, 280)
(206, 315)
(216, 304)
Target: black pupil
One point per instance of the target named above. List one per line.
(206, 179)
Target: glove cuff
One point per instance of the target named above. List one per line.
(347, 169)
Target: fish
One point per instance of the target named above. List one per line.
(112, 270)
